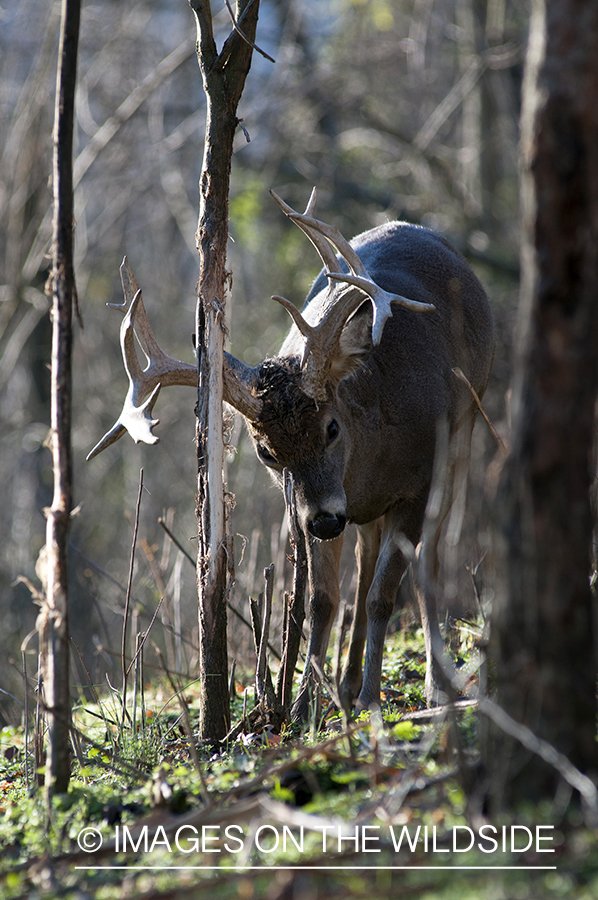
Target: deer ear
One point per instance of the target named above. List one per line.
(355, 344)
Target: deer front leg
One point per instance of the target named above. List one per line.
(366, 553)
(323, 560)
(390, 566)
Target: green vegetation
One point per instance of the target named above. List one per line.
(301, 800)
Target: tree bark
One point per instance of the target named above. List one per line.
(223, 77)
(53, 618)
(544, 637)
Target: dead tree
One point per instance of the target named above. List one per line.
(223, 75)
(544, 637)
(53, 619)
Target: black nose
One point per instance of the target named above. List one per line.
(326, 527)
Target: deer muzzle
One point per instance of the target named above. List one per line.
(326, 526)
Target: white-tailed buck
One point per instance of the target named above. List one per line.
(351, 407)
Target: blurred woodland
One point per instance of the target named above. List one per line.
(402, 109)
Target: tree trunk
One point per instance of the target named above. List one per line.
(53, 618)
(224, 77)
(544, 640)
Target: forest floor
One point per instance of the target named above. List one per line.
(379, 806)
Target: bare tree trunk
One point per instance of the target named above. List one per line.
(53, 618)
(224, 77)
(544, 638)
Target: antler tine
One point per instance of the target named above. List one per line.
(316, 230)
(308, 331)
(381, 301)
(130, 286)
(321, 339)
(143, 329)
(304, 221)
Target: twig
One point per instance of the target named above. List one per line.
(229, 605)
(38, 750)
(462, 377)
(129, 106)
(334, 692)
(26, 760)
(261, 657)
(437, 712)
(231, 680)
(244, 36)
(148, 665)
(580, 782)
(167, 617)
(122, 588)
(247, 720)
(77, 748)
(455, 96)
(176, 541)
(136, 683)
(96, 697)
(189, 733)
(296, 614)
(128, 599)
(145, 637)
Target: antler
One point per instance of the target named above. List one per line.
(322, 338)
(162, 370)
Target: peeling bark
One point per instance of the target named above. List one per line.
(223, 77)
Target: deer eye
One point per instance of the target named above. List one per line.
(266, 456)
(333, 430)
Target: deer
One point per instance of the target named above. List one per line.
(351, 409)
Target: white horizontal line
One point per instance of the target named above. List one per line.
(414, 868)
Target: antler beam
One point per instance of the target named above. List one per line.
(144, 384)
(161, 371)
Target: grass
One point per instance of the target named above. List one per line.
(276, 801)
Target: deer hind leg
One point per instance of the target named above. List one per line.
(366, 553)
(450, 479)
(425, 591)
(323, 560)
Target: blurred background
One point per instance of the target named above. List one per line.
(402, 109)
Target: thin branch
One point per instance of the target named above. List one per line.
(129, 106)
(526, 737)
(244, 36)
(462, 377)
(267, 610)
(229, 605)
(145, 636)
(455, 96)
(176, 541)
(128, 597)
(570, 773)
(189, 733)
